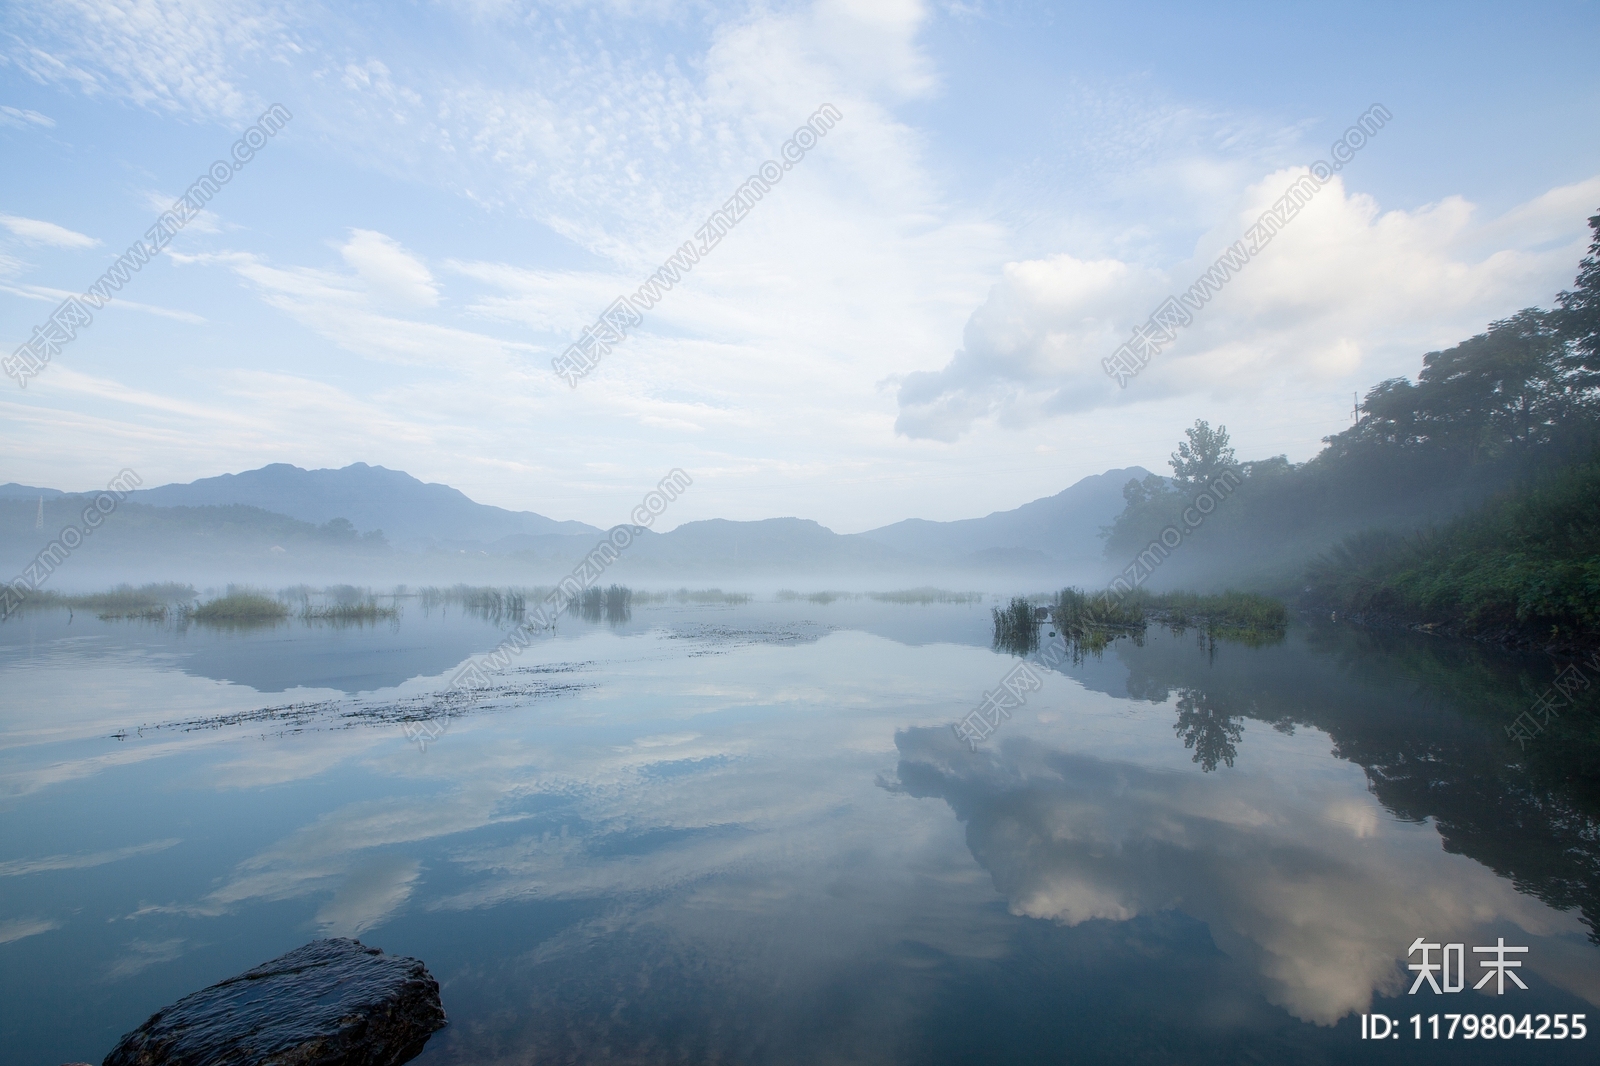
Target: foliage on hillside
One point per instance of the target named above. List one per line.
(1525, 567)
(1483, 420)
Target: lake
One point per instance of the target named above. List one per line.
(749, 833)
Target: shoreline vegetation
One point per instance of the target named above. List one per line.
(1090, 622)
(1520, 571)
(1464, 502)
(242, 605)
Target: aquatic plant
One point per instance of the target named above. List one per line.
(241, 606)
(1016, 626)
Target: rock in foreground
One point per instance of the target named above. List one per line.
(330, 1003)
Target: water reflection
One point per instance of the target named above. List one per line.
(688, 855)
(613, 605)
(1205, 728)
(1425, 720)
(1315, 890)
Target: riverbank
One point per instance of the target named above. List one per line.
(1520, 572)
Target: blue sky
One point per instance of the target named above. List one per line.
(464, 187)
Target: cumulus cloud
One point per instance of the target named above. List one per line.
(389, 271)
(1343, 290)
(34, 231)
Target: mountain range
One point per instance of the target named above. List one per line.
(410, 512)
(229, 520)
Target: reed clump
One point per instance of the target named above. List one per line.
(153, 601)
(1076, 611)
(241, 606)
(1219, 613)
(1016, 626)
(613, 604)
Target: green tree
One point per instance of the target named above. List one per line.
(1204, 456)
(1579, 317)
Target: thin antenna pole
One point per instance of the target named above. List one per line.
(38, 523)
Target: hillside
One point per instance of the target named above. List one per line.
(411, 513)
(1063, 527)
(1523, 569)
(1466, 499)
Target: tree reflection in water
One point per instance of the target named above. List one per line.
(1206, 729)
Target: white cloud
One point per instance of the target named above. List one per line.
(1072, 838)
(143, 954)
(187, 56)
(45, 294)
(34, 231)
(371, 892)
(18, 867)
(21, 116)
(201, 221)
(18, 928)
(1343, 292)
(389, 271)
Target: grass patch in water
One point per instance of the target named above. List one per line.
(241, 607)
(349, 612)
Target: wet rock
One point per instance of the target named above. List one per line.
(330, 1003)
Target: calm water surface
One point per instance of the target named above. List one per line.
(749, 834)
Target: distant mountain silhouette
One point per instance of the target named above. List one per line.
(1064, 527)
(1039, 538)
(12, 490)
(277, 519)
(721, 546)
(773, 543)
(411, 513)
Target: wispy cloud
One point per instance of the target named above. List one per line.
(371, 892)
(35, 231)
(143, 954)
(201, 221)
(389, 271)
(83, 860)
(21, 116)
(45, 294)
(17, 928)
(185, 56)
